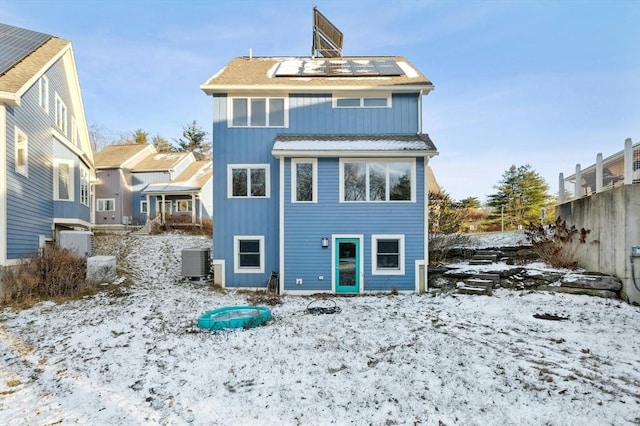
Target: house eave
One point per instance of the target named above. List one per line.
(11, 99)
(353, 153)
(326, 88)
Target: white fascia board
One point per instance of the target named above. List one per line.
(347, 154)
(10, 99)
(71, 221)
(325, 88)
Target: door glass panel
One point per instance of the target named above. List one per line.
(347, 263)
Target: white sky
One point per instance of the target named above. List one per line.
(546, 83)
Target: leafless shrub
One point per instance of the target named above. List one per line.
(441, 244)
(50, 273)
(557, 243)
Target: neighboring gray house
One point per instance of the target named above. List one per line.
(135, 183)
(46, 163)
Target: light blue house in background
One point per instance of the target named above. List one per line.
(320, 174)
(46, 163)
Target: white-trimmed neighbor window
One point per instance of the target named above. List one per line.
(304, 180)
(367, 101)
(184, 205)
(106, 204)
(61, 115)
(43, 93)
(366, 180)
(248, 254)
(21, 152)
(248, 180)
(144, 206)
(258, 112)
(387, 254)
(63, 180)
(84, 185)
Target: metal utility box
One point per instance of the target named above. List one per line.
(101, 269)
(196, 262)
(79, 242)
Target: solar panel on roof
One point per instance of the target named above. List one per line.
(338, 68)
(16, 43)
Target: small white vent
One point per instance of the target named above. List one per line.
(196, 262)
(79, 242)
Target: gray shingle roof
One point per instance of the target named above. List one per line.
(353, 143)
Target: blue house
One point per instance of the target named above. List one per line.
(46, 163)
(320, 174)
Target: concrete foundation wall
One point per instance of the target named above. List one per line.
(613, 217)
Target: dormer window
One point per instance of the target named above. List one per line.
(258, 112)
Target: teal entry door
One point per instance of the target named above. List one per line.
(347, 264)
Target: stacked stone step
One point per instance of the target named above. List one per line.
(479, 284)
(484, 257)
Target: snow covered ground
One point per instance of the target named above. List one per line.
(135, 357)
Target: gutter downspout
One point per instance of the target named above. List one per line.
(426, 223)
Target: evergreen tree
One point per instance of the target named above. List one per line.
(444, 217)
(522, 193)
(193, 140)
(140, 137)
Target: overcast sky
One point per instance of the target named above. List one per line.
(545, 83)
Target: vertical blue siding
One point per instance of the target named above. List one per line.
(307, 223)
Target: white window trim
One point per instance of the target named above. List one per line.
(411, 161)
(113, 203)
(56, 164)
(84, 170)
(294, 179)
(189, 208)
(23, 170)
(146, 205)
(249, 98)
(267, 180)
(374, 254)
(61, 122)
(236, 254)
(43, 101)
(362, 97)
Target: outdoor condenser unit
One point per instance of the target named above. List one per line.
(79, 242)
(196, 262)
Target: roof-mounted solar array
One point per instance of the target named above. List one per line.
(327, 39)
(16, 43)
(338, 68)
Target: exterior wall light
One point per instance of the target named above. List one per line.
(325, 242)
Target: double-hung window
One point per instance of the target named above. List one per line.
(304, 180)
(63, 182)
(144, 206)
(377, 180)
(248, 180)
(248, 254)
(258, 112)
(84, 185)
(21, 152)
(43, 93)
(387, 254)
(61, 115)
(106, 204)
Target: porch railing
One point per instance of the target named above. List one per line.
(621, 168)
